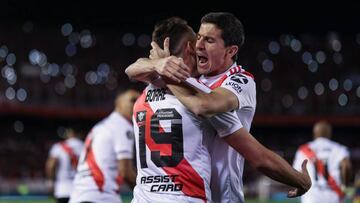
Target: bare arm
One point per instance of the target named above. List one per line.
(147, 70)
(142, 70)
(50, 168)
(219, 100)
(127, 171)
(269, 163)
(345, 167)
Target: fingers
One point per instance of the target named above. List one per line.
(167, 46)
(303, 167)
(154, 46)
(292, 193)
(177, 72)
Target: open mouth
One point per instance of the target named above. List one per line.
(202, 59)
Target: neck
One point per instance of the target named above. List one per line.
(226, 66)
(123, 113)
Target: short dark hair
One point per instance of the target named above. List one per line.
(231, 27)
(175, 28)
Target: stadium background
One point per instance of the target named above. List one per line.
(61, 63)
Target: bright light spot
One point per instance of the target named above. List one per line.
(319, 88)
(67, 69)
(18, 126)
(295, 45)
(11, 59)
(3, 51)
(128, 39)
(54, 69)
(303, 92)
(91, 77)
(348, 85)
(358, 92)
(10, 93)
(86, 40)
(66, 29)
(268, 65)
(69, 81)
(21, 94)
(103, 70)
(333, 84)
(336, 45)
(313, 66)
(9, 74)
(320, 57)
(274, 47)
(34, 57)
(343, 100)
(307, 57)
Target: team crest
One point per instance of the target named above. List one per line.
(140, 116)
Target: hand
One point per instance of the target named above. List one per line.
(156, 52)
(306, 185)
(173, 68)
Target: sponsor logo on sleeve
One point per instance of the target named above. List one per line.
(236, 81)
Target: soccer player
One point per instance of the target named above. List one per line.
(61, 165)
(152, 128)
(220, 37)
(172, 159)
(107, 155)
(329, 167)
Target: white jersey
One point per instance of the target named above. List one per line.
(67, 153)
(324, 158)
(173, 162)
(96, 179)
(227, 171)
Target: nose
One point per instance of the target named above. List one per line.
(200, 43)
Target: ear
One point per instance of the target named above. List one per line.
(189, 48)
(232, 50)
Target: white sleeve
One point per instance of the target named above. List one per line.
(342, 153)
(243, 87)
(55, 151)
(124, 144)
(225, 123)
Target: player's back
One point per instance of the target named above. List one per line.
(227, 170)
(67, 153)
(173, 164)
(97, 169)
(325, 157)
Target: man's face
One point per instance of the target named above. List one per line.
(127, 101)
(211, 50)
